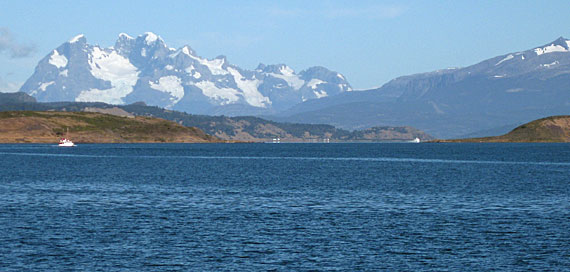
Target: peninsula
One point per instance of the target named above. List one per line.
(549, 129)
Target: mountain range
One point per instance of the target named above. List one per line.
(494, 95)
(146, 69)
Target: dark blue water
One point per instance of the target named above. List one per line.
(203, 207)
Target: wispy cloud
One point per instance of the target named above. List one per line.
(14, 48)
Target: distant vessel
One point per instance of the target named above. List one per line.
(65, 142)
(416, 140)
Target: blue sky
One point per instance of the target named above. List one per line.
(370, 42)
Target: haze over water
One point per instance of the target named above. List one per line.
(148, 207)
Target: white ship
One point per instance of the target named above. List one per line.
(65, 142)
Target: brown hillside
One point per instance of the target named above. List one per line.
(87, 127)
(549, 129)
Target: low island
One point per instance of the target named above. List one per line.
(89, 127)
(550, 129)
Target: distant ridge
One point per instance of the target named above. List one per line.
(14, 98)
(508, 89)
(244, 128)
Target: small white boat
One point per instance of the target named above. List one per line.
(416, 140)
(65, 142)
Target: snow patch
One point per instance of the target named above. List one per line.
(76, 38)
(116, 69)
(63, 73)
(286, 70)
(209, 89)
(550, 49)
(287, 74)
(215, 66)
(499, 76)
(509, 57)
(186, 51)
(522, 57)
(549, 64)
(516, 90)
(171, 85)
(340, 76)
(143, 52)
(249, 87)
(320, 94)
(169, 67)
(344, 87)
(150, 37)
(58, 60)
(43, 86)
(192, 71)
(314, 82)
(125, 35)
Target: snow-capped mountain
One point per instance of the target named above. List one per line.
(500, 92)
(543, 62)
(146, 69)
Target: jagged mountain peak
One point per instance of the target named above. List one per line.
(78, 39)
(560, 41)
(281, 69)
(222, 57)
(559, 45)
(125, 36)
(145, 69)
(188, 50)
(151, 38)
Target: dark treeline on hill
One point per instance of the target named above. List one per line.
(246, 128)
